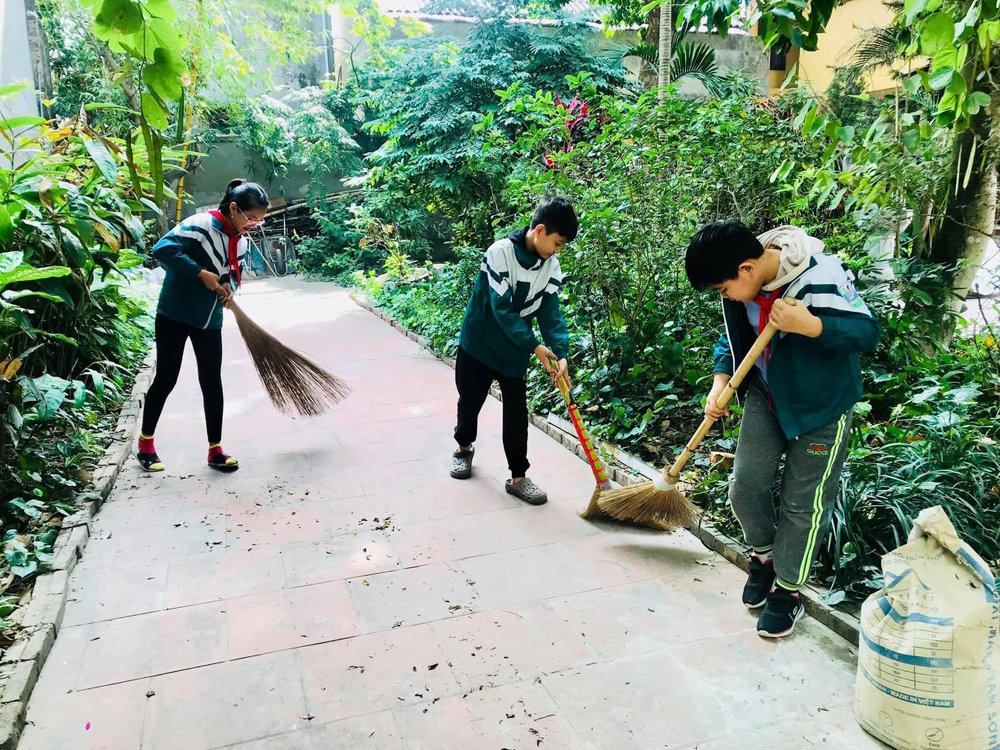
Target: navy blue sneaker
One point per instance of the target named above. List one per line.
(783, 609)
(759, 584)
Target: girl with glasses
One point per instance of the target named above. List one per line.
(203, 258)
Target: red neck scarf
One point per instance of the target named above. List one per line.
(234, 242)
(766, 303)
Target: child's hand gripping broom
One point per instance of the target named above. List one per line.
(660, 500)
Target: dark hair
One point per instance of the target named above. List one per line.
(716, 251)
(245, 195)
(558, 216)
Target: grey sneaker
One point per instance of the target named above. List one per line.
(528, 491)
(461, 464)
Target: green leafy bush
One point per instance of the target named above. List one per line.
(643, 176)
(72, 331)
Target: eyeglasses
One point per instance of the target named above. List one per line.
(251, 222)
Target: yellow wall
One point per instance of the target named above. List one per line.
(837, 42)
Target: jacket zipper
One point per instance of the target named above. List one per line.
(729, 340)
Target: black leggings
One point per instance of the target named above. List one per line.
(171, 337)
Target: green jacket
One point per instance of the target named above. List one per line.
(811, 381)
(514, 287)
(199, 242)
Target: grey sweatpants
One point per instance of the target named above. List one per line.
(809, 485)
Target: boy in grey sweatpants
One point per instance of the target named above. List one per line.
(797, 402)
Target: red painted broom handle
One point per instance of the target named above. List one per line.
(589, 449)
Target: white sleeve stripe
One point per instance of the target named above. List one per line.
(500, 288)
(531, 308)
(835, 302)
(206, 245)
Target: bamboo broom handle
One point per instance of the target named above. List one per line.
(671, 474)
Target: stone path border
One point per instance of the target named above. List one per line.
(39, 622)
(843, 624)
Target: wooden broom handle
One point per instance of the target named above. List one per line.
(671, 474)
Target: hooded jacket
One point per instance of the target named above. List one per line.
(811, 381)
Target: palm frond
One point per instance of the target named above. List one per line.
(546, 46)
(697, 60)
(645, 51)
(878, 47)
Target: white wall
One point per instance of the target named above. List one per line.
(15, 62)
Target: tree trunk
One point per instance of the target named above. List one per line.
(648, 73)
(666, 39)
(970, 220)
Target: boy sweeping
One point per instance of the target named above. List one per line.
(518, 282)
(797, 402)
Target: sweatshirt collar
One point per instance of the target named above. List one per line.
(796, 252)
(525, 257)
(228, 228)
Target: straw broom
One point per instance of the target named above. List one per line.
(660, 500)
(293, 382)
(592, 510)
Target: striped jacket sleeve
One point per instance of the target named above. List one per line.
(848, 324)
(171, 251)
(518, 330)
(550, 316)
(189, 248)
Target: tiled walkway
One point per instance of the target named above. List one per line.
(341, 591)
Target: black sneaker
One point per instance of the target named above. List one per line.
(782, 611)
(759, 583)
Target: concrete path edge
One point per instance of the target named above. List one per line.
(843, 624)
(39, 622)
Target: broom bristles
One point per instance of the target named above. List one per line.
(292, 381)
(593, 510)
(644, 504)
(596, 510)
